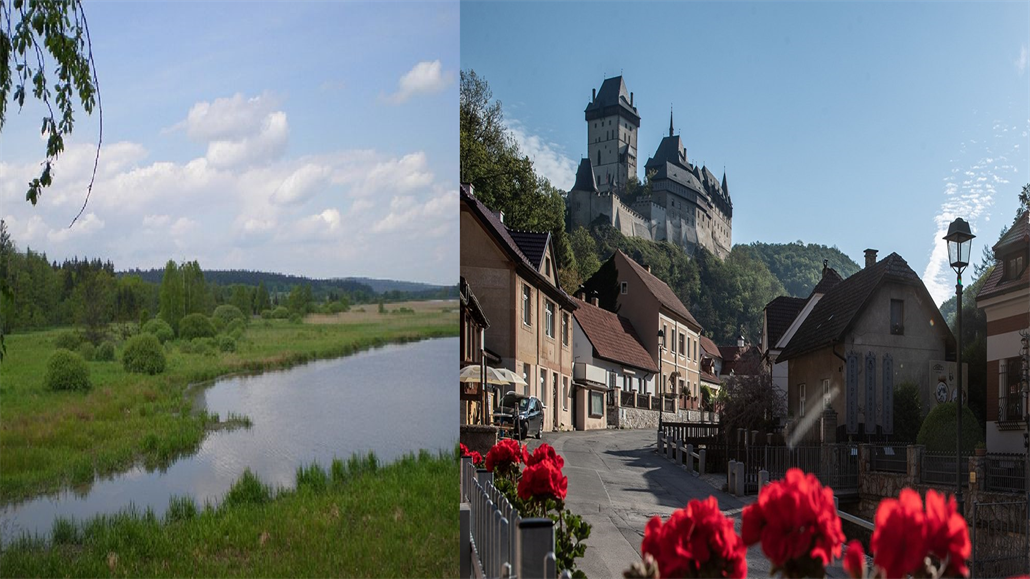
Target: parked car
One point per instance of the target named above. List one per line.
(521, 415)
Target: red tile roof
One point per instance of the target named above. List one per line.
(661, 291)
(709, 347)
(612, 337)
(1016, 238)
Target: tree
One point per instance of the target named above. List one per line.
(242, 299)
(94, 305)
(751, 402)
(299, 299)
(261, 299)
(172, 299)
(55, 30)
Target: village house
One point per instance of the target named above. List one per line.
(473, 325)
(515, 277)
(866, 335)
(665, 327)
(711, 366)
(1005, 300)
(609, 361)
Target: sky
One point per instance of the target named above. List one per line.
(308, 138)
(854, 125)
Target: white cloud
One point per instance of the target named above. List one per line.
(1021, 62)
(548, 160)
(427, 77)
(269, 143)
(229, 119)
(302, 184)
(84, 227)
(402, 175)
(407, 212)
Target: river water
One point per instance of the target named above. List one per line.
(392, 400)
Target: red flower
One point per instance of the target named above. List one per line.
(544, 452)
(796, 521)
(947, 536)
(477, 458)
(504, 455)
(696, 541)
(854, 560)
(542, 480)
(464, 449)
(899, 540)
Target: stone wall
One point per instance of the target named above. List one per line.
(636, 418)
(478, 437)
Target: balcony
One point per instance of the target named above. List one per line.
(589, 373)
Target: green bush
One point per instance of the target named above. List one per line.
(227, 313)
(235, 325)
(67, 340)
(66, 370)
(908, 414)
(144, 355)
(160, 329)
(248, 490)
(280, 313)
(219, 324)
(266, 314)
(940, 425)
(144, 316)
(295, 318)
(105, 352)
(226, 344)
(87, 350)
(196, 326)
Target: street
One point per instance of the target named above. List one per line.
(617, 482)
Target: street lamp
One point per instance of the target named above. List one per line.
(661, 377)
(959, 240)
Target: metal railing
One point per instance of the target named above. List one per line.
(1005, 473)
(839, 468)
(889, 458)
(1001, 542)
(938, 468)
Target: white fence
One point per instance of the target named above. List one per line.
(496, 542)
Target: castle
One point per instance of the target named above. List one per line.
(687, 205)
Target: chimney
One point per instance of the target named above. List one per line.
(500, 215)
(582, 294)
(740, 341)
(826, 264)
(648, 268)
(595, 301)
(630, 99)
(594, 97)
(870, 257)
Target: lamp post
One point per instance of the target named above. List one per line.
(959, 240)
(661, 377)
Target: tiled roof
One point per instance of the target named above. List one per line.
(833, 315)
(613, 337)
(585, 177)
(468, 300)
(709, 347)
(613, 93)
(829, 281)
(532, 244)
(502, 234)
(731, 353)
(1017, 237)
(780, 314)
(661, 291)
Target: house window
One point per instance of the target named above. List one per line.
(898, 317)
(549, 319)
(565, 393)
(826, 394)
(683, 351)
(673, 341)
(543, 385)
(556, 391)
(596, 405)
(527, 300)
(1014, 267)
(624, 288)
(526, 376)
(801, 401)
(565, 329)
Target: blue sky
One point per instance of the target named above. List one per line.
(312, 138)
(856, 125)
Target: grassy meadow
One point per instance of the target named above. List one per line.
(354, 520)
(53, 440)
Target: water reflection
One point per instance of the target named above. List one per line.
(392, 401)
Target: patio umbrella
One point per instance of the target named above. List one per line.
(474, 374)
(511, 377)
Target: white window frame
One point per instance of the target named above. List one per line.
(549, 318)
(527, 305)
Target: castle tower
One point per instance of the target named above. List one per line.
(612, 125)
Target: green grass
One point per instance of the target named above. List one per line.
(357, 520)
(53, 440)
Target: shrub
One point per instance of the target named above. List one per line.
(66, 370)
(144, 316)
(87, 350)
(281, 313)
(940, 425)
(226, 344)
(248, 490)
(196, 326)
(312, 477)
(105, 352)
(160, 329)
(266, 314)
(236, 334)
(227, 313)
(908, 415)
(67, 340)
(218, 324)
(234, 325)
(144, 355)
(295, 318)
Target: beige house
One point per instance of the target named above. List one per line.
(627, 288)
(865, 336)
(516, 282)
(1005, 299)
(473, 325)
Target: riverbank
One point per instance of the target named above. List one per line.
(54, 440)
(356, 520)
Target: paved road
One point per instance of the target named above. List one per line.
(617, 482)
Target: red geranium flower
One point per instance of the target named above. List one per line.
(947, 536)
(899, 539)
(464, 449)
(504, 455)
(545, 452)
(543, 480)
(477, 458)
(854, 560)
(796, 521)
(696, 541)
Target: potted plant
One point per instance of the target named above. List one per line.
(981, 449)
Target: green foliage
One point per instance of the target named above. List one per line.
(228, 314)
(159, 329)
(196, 326)
(382, 308)
(68, 340)
(262, 301)
(66, 370)
(143, 354)
(280, 313)
(226, 344)
(248, 490)
(87, 350)
(939, 427)
(799, 266)
(105, 352)
(300, 298)
(94, 304)
(172, 296)
(296, 318)
(707, 397)
(65, 532)
(234, 327)
(751, 402)
(180, 509)
(908, 414)
(312, 477)
(266, 314)
(570, 532)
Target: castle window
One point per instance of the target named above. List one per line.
(624, 288)
(898, 317)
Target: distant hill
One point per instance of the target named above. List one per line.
(799, 266)
(364, 289)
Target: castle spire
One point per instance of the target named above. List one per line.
(670, 120)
